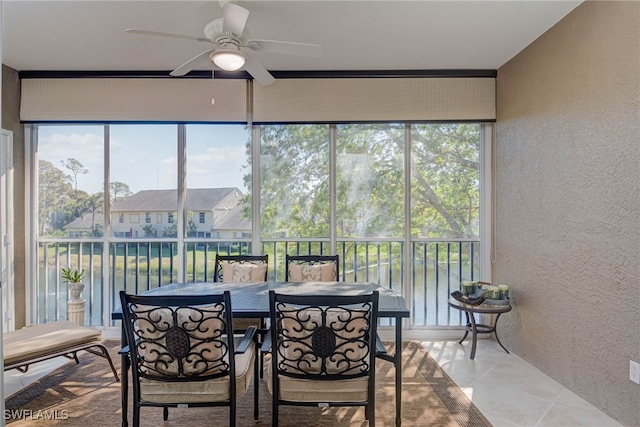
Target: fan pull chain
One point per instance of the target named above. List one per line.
(213, 99)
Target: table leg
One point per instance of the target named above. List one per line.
(495, 331)
(398, 363)
(124, 378)
(466, 331)
(474, 333)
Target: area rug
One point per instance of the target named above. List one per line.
(86, 395)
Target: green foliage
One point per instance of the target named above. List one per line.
(54, 190)
(370, 180)
(72, 275)
(119, 191)
(171, 231)
(149, 230)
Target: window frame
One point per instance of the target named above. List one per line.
(486, 154)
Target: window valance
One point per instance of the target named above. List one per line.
(313, 100)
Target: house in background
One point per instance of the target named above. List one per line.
(213, 212)
(85, 225)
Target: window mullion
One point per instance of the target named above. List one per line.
(182, 213)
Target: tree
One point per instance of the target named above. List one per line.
(370, 180)
(171, 231)
(119, 191)
(445, 161)
(54, 188)
(192, 228)
(149, 231)
(295, 181)
(76, 168)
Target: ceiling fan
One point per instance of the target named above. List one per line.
(232, 47)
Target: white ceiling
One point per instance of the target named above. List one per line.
(355, 35)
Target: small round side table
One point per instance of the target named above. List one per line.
(479, 328)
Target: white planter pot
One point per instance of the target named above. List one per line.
(75, 312)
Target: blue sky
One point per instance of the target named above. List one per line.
(145, 156)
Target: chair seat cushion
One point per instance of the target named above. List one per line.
(39, 340)
(299, 390)
(216, 390)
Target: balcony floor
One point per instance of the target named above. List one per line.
(509, 391)
(506, 389)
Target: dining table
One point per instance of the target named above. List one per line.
(251, 300)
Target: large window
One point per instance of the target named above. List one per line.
(70, 179)
(69, 222)
(143, 178)
(294, 185)
(218, 198)
(398, 202)
(370, 180)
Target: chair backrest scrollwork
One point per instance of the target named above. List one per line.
(179, 338)
(324, 337)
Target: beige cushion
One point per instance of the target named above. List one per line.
(312, 273)
(298, 390)
(243, 272)
(39, 340)
(216, 390)
(152, 325)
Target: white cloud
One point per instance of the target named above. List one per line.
(217, 167)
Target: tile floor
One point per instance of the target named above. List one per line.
(533, 400)
(15, 380)
(509, 391)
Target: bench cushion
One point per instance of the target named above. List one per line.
(39, 340)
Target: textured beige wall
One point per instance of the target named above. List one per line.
(568, 203)
(11, 121)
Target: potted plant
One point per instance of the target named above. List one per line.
(74, 282)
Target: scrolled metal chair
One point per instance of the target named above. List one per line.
(244, 269)
(183, 353)
(323, 351)
(240, 268)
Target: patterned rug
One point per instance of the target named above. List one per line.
(87, 395)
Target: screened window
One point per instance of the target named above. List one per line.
(143, 176)
(398, 202)
(71, 181)
(294, 172)
(370, 180)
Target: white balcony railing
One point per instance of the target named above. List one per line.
(435, 270)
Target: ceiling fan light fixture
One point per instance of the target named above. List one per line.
(228, 59)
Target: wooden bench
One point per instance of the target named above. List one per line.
(36, 343)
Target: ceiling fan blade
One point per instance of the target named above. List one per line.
(286, 48)
(171, 35)
(258, 72)
(234, 18)
(190, 64)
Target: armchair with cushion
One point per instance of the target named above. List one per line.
(316, 268)
(183, 353)
(240, 268)
(323, 351)
(243, 269)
